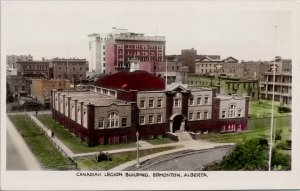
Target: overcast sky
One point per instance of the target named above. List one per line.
(59, 29)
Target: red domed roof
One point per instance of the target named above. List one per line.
(137, 80)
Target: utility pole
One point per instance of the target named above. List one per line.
(272, 112)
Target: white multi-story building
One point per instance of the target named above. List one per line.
(97, 52)
(282, 82)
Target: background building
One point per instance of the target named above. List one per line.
(41, 89)
(34, 69)
(283, 82)
(73, 69)
(123, 46)
(176, 71)
(188, 57)
(97, 53)
(11, 60)
(17, 87)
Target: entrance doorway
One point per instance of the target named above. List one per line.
(177, 123)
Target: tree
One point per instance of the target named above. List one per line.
(249, 155)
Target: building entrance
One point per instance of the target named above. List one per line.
(177, 123)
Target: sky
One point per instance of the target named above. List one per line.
(59, 28)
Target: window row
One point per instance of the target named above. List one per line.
(199, 115)
(112, 121)
(151, 119)
(199, 101)
(140, 47)
(232, 112)
(151, 103)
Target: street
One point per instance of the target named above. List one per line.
(18, 154)
(182, 161)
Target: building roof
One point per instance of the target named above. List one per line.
(138, 80)
(96, 99)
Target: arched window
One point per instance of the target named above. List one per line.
(232, 111)
(113, 120)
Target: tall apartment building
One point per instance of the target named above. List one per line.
(125, 46)
(110, 53)
(73, 69)
(97, 52)
(11, 60)
(283, 82)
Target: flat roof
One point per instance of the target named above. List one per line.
(96, 99)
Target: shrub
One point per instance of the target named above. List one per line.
(282, 109)
(278, 134)
(249, 155)
(280, 161)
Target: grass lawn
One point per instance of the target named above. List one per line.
(74, 143)
(263, 108)
(160, 141)
(236, 137)
(257, 128)
(40, 145)
(89, 163)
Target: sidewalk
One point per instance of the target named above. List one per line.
(187, 145)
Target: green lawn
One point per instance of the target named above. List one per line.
(236, 137)
(89, 163)
(40, 145)
(74, 143)
(160, 141)
(263, 108)
(257, 128)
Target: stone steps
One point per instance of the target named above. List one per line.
(183, 136)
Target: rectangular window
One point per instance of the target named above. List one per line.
(142, 120)
(223, 114)
(159, 120)
(151, 117)
(205, 115)
(239, 113)
(206, 101)
(101, 123)
(124, 122)
(151, 103)
(142, 104)
(199, 100)
(191, 116)
(191, 101)
(159, 103)
(177, 103)
(198, 115)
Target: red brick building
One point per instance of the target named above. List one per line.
(119, 105)
(121, 48)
